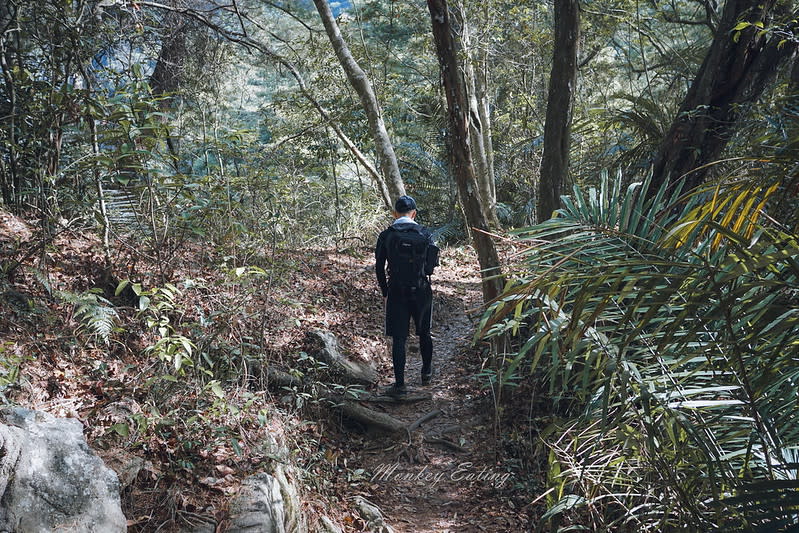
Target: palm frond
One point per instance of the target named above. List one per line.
(665, 331)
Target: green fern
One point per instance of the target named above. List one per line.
(95, 313)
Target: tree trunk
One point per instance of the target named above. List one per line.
(557, 130)
(105, 222)
(480, 128)
(461, 153)
(167, 77)
(483, 110)
(360, 82)
(9, 46)
(735, 71)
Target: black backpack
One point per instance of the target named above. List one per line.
(411, 256)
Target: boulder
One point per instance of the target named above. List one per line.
(258, 508)
(269, 502)
(50, 480)
(325, 348)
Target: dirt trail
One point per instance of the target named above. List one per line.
(423, 485)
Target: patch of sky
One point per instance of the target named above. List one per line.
(338, 6)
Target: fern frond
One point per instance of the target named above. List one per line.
(95, 313)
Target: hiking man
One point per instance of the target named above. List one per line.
(412, 255)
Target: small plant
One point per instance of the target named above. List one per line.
(96, 314)
(10, 362)
(156, 305)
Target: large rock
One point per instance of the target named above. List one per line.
(258, 508)
(50, 480)
(325, 348)
(269, 502)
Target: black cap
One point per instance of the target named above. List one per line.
(405, 204)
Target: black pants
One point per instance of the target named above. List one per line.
(402, 305)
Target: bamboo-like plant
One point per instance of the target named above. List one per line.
(667, 333)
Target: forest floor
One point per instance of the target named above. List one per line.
(191, 449)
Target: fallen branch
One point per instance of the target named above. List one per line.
(449, 429)
(429, 416)
(279, 379)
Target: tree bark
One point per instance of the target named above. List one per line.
(735, 71)
(483, 110)
(480, 126)
(557, 129)
(167, 77)
(9, 46)
(461, 153)
(105, 222)
(360, 82)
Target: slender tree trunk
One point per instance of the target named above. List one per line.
(735, 71)
(461, 153)
(360, 82)
(484, 112)
(98, 179)
(9, 45)
(480, 138)
(557, 130)
(167, 77)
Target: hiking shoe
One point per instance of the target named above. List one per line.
(427, 377)
(397, 391)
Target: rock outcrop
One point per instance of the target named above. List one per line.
(269, 502)
(258, 507)
(50, 480)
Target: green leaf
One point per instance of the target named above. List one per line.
(120, 429)
(121, 286)
(216, 388)
(188, 346)
(236, 447)
(570, 501)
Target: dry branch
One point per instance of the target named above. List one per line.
(429, 416)
(370, 417)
